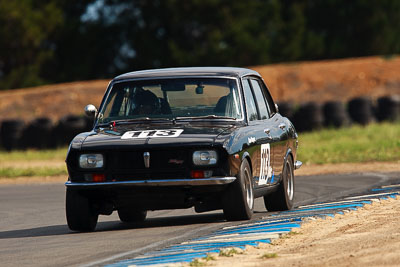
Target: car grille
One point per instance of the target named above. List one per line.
(164, 164)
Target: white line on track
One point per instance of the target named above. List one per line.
(329, 203)
(371, 195)
(237, 237)
(391, 186)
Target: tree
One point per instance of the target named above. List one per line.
(65, 40)
(24, 43)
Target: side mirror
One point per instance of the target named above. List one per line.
(277, 108)
(90, 110)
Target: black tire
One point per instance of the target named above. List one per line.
(79, 212)
(282, 199)
(286, 109)
(89, 123)
(38, 134)
(68, 127)
(308, 117)
(238, 200)
(389, 108)
(335, 114)
(130, 216)
(360, 110)
(11, 133)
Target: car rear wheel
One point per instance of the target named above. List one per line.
(129, 216)
(238, 200)
(80, 213)
(282, 199)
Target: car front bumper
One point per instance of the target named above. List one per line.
(138, 183)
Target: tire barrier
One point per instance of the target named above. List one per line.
(41, 133)
(67, 128)
(360, 110)
(11, 132)
(308, 117)
(286, 109)
(89, 123)
(388, 108)
(38, 134)
(335, 114)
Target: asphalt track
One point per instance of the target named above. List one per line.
(33, 230)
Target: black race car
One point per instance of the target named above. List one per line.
(208, 138)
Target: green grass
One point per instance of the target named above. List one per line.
(30, 155)
(209, 257)
(197, 263)
(290, 234)
(21, 157)
(10, 172)
(269, 256)
(228, 252)
(375, 142)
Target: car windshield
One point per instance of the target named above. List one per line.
(194, 98)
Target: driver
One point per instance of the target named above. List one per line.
(146, 102)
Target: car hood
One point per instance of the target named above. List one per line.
(153, 135)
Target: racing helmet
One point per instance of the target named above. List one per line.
(146, 102)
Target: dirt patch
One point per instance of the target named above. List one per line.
(368, 236)
(318, 81)
(51, 101)
(341, 80)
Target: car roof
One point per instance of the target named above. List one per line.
(188, 72)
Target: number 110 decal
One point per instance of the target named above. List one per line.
(265, 166)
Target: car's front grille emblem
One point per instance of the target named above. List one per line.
(146, 158)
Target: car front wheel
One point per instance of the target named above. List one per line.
(238, 200)
(80, 213)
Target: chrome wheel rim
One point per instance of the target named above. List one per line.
(248, 189)
(290, 182)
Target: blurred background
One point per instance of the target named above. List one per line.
(56, 41)
(328, 63)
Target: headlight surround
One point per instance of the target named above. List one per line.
(205, 157)
(91, 161)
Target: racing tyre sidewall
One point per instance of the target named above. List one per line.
(80, 213)
(288, 182)
(238, 200)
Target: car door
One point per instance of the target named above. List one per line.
(261, 133)
(279, 128)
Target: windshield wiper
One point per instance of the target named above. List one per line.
(205, 117)
(160, 120)
(136, 120)
(141, 119)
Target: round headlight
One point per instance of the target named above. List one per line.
(205, 157)
(91, 161)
